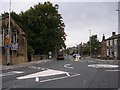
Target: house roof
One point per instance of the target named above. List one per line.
(5, 20)
(114, 37)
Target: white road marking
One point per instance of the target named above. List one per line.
(103, 66)
(59, 78)
(39, 68)
(10, 73)
(113, 70)
(45, 73)
(68, 74)
(37, 79)
(68, 66)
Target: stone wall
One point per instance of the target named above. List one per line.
(38, 57)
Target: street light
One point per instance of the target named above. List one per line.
(90, 41)
(118, 10)
(9, 36)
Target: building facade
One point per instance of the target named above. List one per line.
(110, 47)
(17, 42)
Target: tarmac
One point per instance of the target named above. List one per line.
(5, 67)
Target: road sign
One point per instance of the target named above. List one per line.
(14, 46)
(7, 42)
(6, 46)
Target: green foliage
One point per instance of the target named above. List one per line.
(44, 27)
(86, 50)
(95, 45)
(29, 50)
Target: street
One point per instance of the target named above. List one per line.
(68, 73)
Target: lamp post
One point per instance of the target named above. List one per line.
(9, 37)
(90, 41)
(118, 10)
(118, 43)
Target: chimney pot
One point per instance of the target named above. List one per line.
(113, 33)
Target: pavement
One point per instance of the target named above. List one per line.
(5, 67)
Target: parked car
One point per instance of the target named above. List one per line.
(60, 56)
(77, 56)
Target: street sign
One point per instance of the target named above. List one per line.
(6, 46)
(7, 42)
(14, 46)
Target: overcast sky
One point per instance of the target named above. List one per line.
(79, 17)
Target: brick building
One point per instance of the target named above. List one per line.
(18, 42)
(110, 47)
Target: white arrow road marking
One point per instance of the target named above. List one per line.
(11, 73)
(45, 73)
(68, 66)
(103, 66)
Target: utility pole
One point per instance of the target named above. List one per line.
(9, 36)
(90, 42)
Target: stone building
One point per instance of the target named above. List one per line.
(110, 47)
(18, 42)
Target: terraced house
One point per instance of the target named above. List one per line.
(111, 47)
(18, 42)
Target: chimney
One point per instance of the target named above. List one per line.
(103, 38)
(113, 33)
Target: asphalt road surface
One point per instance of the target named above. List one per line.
(67, 73)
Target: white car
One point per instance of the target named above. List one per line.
(77, 56)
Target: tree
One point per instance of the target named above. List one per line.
(95, 45)
(44, 27)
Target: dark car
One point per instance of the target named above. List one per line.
(60, 56)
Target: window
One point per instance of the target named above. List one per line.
(107, 43)
(115, 41)
(111, 42)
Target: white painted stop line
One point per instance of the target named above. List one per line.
(45, 73)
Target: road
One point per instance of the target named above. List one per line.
(67, 73)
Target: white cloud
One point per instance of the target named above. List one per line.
(100, 18)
